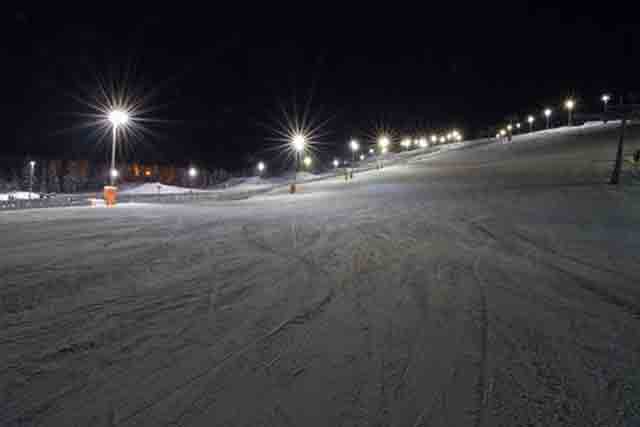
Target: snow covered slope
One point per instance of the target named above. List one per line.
(496, 285)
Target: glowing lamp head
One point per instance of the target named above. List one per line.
(336, 163)
(509, 128)
(354, 145)
(383, 142)
(422, 142)
(530, 119)
(261, 166)
(299, 142)
(370, 150)
(32, 163)
(307, 161)
(503, 132)
(443, 139)
(605, 98)
(518, 125)
(114, 173)
(193, 172)
(570, 104)
(361, 156)
(547, 112)
(434, 138)
(406, 143)
(118, 118)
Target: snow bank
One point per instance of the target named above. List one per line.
(158, 188)
(19, 195)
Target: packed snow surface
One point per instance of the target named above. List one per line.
(496, 285)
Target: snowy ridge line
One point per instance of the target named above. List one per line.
(232, 194)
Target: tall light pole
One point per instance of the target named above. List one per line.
(354, 146)
(117, 118)
(193, 173)
(530, 120)
(307, 162)
(570, 105)
(605, 100)
(383, 143)
(299, 143)
(547, 115)
(32, 165)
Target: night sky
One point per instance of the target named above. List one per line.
(217, 79)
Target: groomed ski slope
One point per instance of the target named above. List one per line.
(497, 285)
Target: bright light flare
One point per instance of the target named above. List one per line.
(307, 161)
(547, 112)
(422, 142)
(299, 142)
(114, 173)
(406, 143)
(118, 118)
(354, 145)
(605, 98)
(361, 156)
(569, 104)
(193, 172)
(383, 142)
(336, 163)
(443, 139)
(530, 119)
(261, 167)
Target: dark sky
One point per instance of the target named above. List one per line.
(215, 77)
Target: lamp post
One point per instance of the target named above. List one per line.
(605, 100)
(547, 115)
(530, 120)
(570, 105)
(117, 118)
(299, 143)
(307, 162)
(32, 165)
(383, 144)
(193, 173)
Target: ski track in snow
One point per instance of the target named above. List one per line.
(493, 285)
